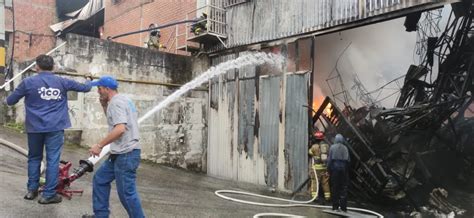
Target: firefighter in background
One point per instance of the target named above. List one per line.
(200, 26)
(154, 38)
(319, 153)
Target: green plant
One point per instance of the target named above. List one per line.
(19, 127)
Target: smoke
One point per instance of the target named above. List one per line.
(377, 54)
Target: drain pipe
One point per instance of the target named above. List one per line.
(21, 151)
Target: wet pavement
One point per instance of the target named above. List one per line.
(165, 191)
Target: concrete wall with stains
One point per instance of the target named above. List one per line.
(176, 135)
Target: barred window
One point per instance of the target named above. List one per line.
(229, 3)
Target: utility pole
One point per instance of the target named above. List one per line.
(2, 35)
(3, 109)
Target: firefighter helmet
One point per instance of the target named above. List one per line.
(319, 135)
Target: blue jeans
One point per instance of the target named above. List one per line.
(124, 171)
(53, 142)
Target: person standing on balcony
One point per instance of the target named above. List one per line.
(46, 118)
(154, 38)
(200, 25)
(338, 165)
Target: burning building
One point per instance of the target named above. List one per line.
(259, 129)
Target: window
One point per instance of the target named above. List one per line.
(229, 3)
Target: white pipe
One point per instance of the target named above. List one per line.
(103, 153)
(30, 66)
(21, 151)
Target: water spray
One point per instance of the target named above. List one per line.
(250, 59)
(254, 58)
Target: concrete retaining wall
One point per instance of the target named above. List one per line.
(177, 135)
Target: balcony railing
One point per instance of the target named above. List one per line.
(213, 28)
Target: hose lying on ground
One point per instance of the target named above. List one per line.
(20, 150)
(293, 203)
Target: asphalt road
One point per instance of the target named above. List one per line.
(165, 191)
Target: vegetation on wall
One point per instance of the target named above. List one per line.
(19, 127)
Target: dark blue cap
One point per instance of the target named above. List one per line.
(106, 81)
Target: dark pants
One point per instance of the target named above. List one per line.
(339, 183)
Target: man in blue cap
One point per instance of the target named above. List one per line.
(46, 118)
(124, 158)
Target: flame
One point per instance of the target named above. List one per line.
(315, 107)
(317, 101)
(328, 110)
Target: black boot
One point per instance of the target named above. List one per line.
(31, 195)
(52, 200)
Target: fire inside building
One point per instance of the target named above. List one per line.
(406, 153)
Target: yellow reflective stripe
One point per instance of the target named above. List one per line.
(319, 167)
(2, 56)
(327, 194)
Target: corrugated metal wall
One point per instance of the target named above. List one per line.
(258, 128)
(258, 20)
(296, 129)
(269, 126)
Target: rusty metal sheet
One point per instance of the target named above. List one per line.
(269, 119)
(296, 130)
(221, 140)
(247, 137)
(246, 113)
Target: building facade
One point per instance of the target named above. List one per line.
(122, 16)
(258, 125)
(27, 28)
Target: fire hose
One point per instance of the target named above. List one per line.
(21, 151)
(293, 203)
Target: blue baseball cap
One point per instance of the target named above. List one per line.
(106, 81)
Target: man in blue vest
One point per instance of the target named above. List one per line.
(46, 118)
